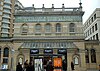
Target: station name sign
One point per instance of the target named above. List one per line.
(62, 51)
(48, 51)
(34, 51)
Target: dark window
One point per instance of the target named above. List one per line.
(97, 38)
(96, 27)
(94, 16)
(90, 31)
(93, 56)
(92, 19)
(6, 52)
(92, 28)
(5, 60)
(87, 55)
(58, 27)
(93, 37)
(71, 27)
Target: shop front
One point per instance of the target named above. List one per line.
(40, 58)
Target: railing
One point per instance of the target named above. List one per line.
(37, 10)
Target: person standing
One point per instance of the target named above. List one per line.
(30, 67)
(64, 65)
(99, 67)
(49, 66)
(25, 65)
(19, 67)
(72, 65)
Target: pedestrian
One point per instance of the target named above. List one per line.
(30, 67)
(49, 66)
(64, 65)
(19, 67)
(25, 65)
(72, 65)
(99, 67)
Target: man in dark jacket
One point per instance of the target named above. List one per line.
(64, 65)
(49, 66)
(30, 67)
(19, 67)
(72, 66)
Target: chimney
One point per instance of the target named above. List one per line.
(33, 5)
(52, 5)
(63, 6)
(43, 6)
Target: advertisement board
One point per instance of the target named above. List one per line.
(57, 62)
(38, 64)
(57, 69)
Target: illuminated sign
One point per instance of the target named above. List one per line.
(48, 51)
(34, 51)
(62, 51)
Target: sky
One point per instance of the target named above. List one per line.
(88, 5)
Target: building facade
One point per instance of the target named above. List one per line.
(6, 18)
(92, 26)
(92, 34)
(47, 33)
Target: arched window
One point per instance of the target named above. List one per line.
(76, 59)
(58, 27)
(71, 27)
(6, 52)
(87, 55)
(93, 56)
(21, 60)
(37, 28)
(24, 29)
(48, 28)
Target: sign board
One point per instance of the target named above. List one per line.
(38, 64)
(48, 51)
(57, 62)
(57, 70)
(34, 51)
(62, 51)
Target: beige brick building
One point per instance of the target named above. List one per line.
(48, 33)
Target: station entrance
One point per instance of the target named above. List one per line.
(58, 60)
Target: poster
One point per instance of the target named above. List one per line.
(38, 65)
(57, 69)
(57, 62)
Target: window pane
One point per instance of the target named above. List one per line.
(93, 56)
(71, 27)
(48, 28)
(24, 29)
(6, 52)
(58, 27)
(95, 26)
(87, 55)
(38, 28)
(76, 60)
(5, 60)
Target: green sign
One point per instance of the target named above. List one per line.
(21, 19)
